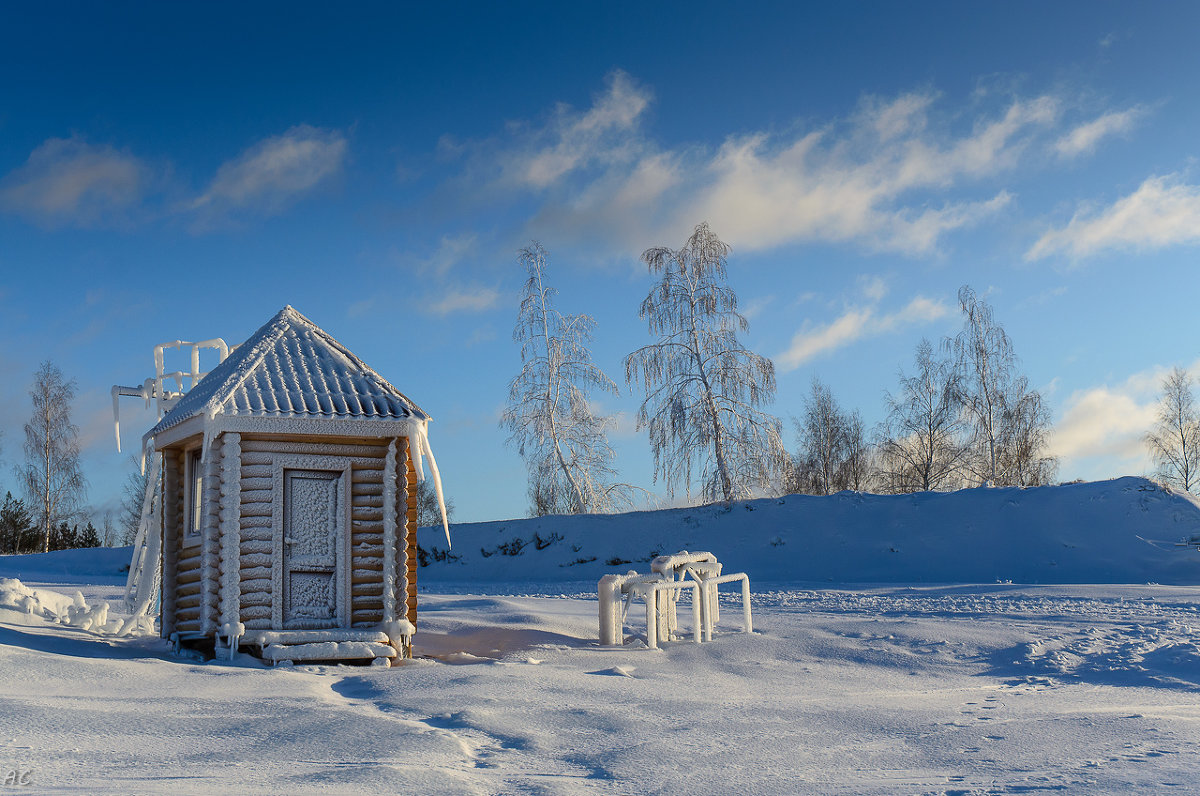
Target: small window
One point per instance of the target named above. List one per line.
(194, 480)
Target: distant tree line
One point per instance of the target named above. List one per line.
(965, 416)
(19, 533)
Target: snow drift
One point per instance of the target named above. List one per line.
(1120, 531)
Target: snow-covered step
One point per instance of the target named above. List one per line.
(328, 651)
(268, 637)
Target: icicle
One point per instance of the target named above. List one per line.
(145, 444)
(423, 435)
(117, 416)
(416, 448)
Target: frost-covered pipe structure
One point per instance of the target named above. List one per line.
(142, 584)
(678, 566)
(616, 592)
(152, 388)
(663, 594)
(706, 569)
(712, 615)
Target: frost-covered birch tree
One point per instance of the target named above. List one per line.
(563, 441)
(1174, 441)
(704, 389)
(51, 476)
(833, 452)
(821, 435)
(1010, 420)
(923, 443)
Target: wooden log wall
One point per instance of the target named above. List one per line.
(196, 578)
(366, 541)
(409, 493)
(256, 551)
(210, 550)
(192, 575)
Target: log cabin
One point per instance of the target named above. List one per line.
(288, 494)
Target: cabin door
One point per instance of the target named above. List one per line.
(313, 529)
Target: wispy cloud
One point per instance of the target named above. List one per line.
(1084, 138)
(857, 323)
(275, 172)
(473, 298)
(450, 252)
(1163, 211)
(360, 309)
(891, 176)
(70, 182)
(572, 140)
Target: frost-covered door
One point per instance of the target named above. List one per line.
(312, 531)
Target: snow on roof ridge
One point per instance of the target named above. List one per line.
(363, 366)
(222, 384)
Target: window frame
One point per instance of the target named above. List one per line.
(193, 497)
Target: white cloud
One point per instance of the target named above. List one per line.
(878, 178)
(573, 140)
(1084, 138)
(464, 299)
(1102, 421)
(854, 325)
(1103, 427)
(274, 172)
(1163, 211)
(807, 343)
(873, 287)
(67, 181)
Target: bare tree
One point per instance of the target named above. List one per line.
(859, 466)
(51, 475)
(1010, 421)
(133, 495)
(821, 436)
(1024, 439)
(923, 447)
(563, 441)
(108, 531)
(1175, 439)
(429, 513)
(703, 387)
(833, 450)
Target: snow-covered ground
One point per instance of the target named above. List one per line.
(904, 688)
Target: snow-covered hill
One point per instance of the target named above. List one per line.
(1119, 531)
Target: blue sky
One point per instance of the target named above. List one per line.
(183, 171)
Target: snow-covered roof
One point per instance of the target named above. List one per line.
(292, 368)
